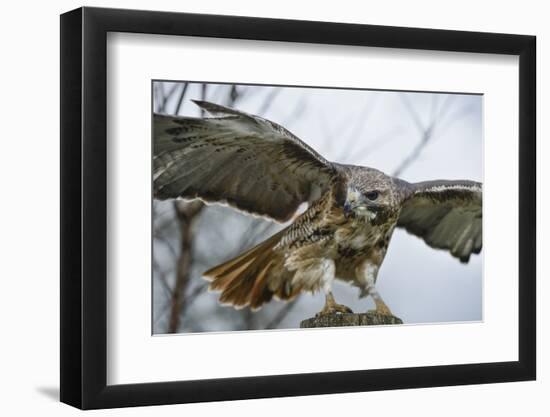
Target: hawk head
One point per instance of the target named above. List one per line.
(370, 195)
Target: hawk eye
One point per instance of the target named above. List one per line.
(372, 195)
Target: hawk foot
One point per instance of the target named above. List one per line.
(334, 309)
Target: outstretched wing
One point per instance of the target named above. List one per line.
(446, 214)
(238, 159)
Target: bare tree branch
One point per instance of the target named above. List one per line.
(186, 213)
(426, 132)
(180, 98)
(268, 101)
(190, 298)
(376, 143)
(168, 95)
(297, 112)
(363, 119)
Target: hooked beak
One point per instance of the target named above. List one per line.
(356, 204)
(350, 209)
(347, 209)
(353, 198)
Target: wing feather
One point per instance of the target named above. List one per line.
(446, 214)
(238, 159)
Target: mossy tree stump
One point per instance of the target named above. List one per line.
(370, 318)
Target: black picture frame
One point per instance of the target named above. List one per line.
(84, 207)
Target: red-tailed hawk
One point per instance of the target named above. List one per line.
(259, 167)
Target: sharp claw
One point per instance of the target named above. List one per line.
(348, 310)
(335, 309)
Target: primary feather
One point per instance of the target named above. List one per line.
(235, 158)
(446, 215)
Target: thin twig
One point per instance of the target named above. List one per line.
(168, 95)
(426, 132)
(181, 97)
(268, 101)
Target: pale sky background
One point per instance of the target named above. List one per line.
(373, 128)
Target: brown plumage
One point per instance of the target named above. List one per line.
(257, 166)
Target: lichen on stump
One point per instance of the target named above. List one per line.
(370, 318)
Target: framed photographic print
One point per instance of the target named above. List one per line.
(258, 208)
